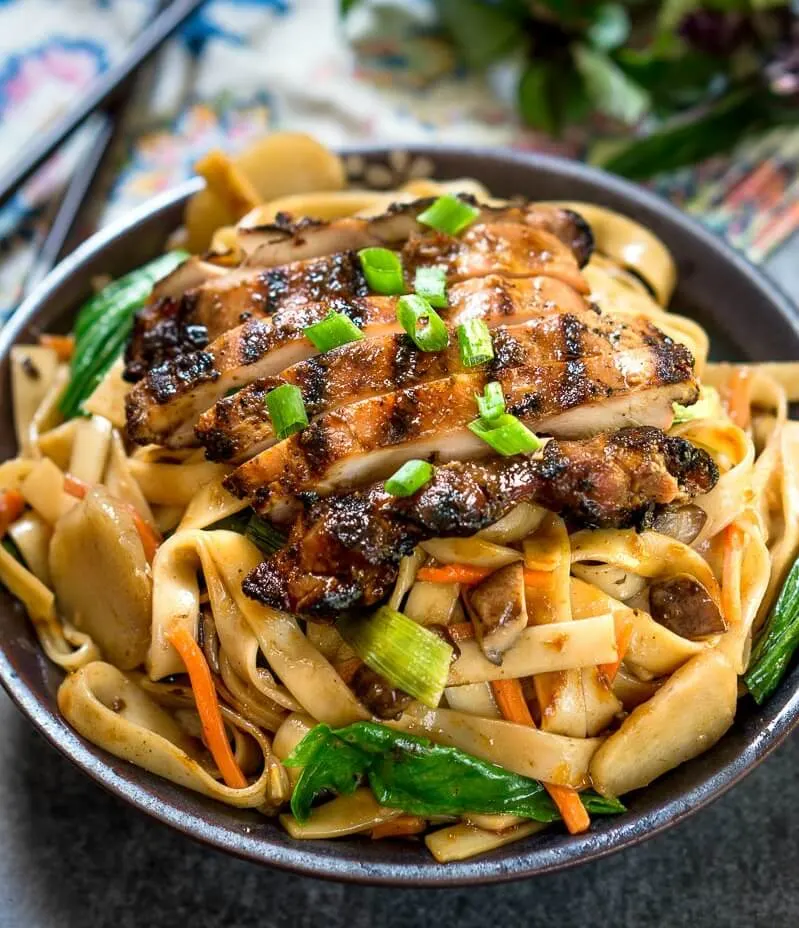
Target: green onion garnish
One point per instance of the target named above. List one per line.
(408, 655)
(286, 410)
(506, 435)
(422, 323)
(334, 330)
(707, 406)
(449, 215)
(412, 476)
(474, 340)
(492, 403)
(382, 270)
(431, 283)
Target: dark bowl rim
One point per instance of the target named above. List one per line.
(625, 832)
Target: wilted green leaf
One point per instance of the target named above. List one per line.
(482, 32)
(609, 88)
(610, 27)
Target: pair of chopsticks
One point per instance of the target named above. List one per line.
(102, 100)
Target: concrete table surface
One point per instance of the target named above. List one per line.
(72, 856)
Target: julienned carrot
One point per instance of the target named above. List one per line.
(574, 813)
(511, 702)
(63, 345)
(150, 539)
(453, 573)
(513, 706)
(400, 827)
(202, 686)
(624, 634)
(12, 505)
(737, 393)
(731, 574)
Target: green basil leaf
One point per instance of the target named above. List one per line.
(610, 27)
(482, 32)
(611, 90)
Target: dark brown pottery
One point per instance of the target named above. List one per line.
(748, 319)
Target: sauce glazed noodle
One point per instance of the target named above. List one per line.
(461, 606)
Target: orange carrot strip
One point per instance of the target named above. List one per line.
(513, 706)
(399, 827)
(460, 631)
(453, 573)
(202, 685)
(624, 634)
(149, 537)
(736, 394)
(731, 574)
(574, 813)
(63, 345)
(12, 505)
(511, 702)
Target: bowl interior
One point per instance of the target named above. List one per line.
(747, 317)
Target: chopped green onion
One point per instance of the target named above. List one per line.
(449, 215)
(422, 323)
(431, 283)
(412, 476)
(382, 270)
(777, 642)
(707, 406)
(506, 435)
(408, 655)
(492, 403)
(334, 330)
(474, 340)
(286, 410)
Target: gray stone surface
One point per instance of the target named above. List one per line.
(73, 857)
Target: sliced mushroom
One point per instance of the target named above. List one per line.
(499, 610)
(101, 578)
(683, 606)
(378, 695)
(681, 522)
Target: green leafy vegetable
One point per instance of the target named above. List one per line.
(422, 323)
(708, 404)
(778, 640)
(286, 409)
(610, 27)
(506, 434)
(431, 283)
(382, 270)
(611, 91)
(412, 476)
(475, 343)
(449, 214)
(260, 532)
(407, 654)
(492, 403)
(103, 325)
(334, 330)
(417, 776)
(483, 32)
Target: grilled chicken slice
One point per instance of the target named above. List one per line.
(285, 240)
(511, 241)
(171, 327)
(165, 406)
(238, 426)
(344, 550)
(367, 441)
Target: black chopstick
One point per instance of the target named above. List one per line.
(102, 93)
(55, 244)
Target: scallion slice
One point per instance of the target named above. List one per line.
(474, 340)
(406, 654)
(422, 323)
(382, 270)
(492, 403)
(334, 330)
(412, 476)
(506, 435)
(286, 410)
(449, 214)
(431, 283)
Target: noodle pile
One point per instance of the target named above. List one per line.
(591, 657)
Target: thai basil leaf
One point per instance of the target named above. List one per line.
(483, 32)
(609, 88)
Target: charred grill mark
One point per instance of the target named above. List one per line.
(402, 417)
(166, 381)
(313, 383)
(528, 406)
(162, 332)
(275, 287)
(582, 237)
(256, 338)
(673, 361)
(404, 361)
(315, 445)
(507, 352)
(572, 331)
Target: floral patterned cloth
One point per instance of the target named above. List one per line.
(239, 67)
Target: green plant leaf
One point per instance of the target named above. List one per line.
(610, 27)
(535, 97)
(483, 33)
(691, 138)
(611, 91)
